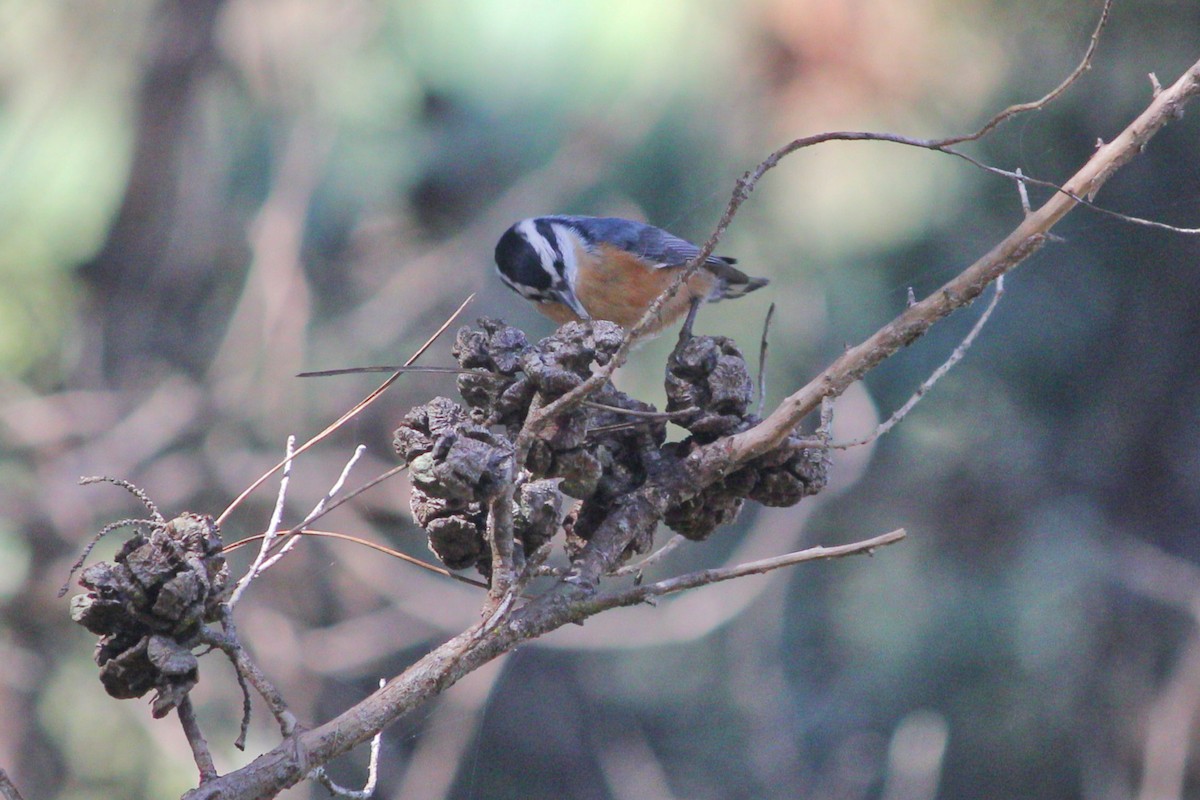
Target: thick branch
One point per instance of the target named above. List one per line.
(573, 599)
(963, 289)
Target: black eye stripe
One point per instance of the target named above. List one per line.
(547, 232)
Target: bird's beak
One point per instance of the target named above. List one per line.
(568, 299)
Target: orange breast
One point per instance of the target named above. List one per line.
(617, 286)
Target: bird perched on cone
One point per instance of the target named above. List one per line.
(578, 268)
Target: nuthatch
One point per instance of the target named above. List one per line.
(577, 268)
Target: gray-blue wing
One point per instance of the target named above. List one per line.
(660, 248)
(653, 244)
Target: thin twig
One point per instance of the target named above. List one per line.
(356, 492)
(353, 412)
(87, 550)
(762, 360)
(335, 504)
(1020, 108)
(133, 490)
(227, 642)
(321, 776)
(156, 520)
(365, 543)
(289, 450)
(329, 373)
(318, 511)
(692, 580)
(247, 709)
(268, 538)
(500, 538)
(633, 423)
(656, 416)
(929, 382)
(195, 738)
(658, 555)
(1022, 193)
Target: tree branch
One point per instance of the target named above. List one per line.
(573, 598)
(963, 289)
(692, 580)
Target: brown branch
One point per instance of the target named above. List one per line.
(692, 580)
(573, 598)
(747, 183)
(762, 359)
(195, 739)
(964, 288)
(500, 539)
(658, 555)
(899, 414)
(288, 763)
(345, 537)
(227, 642)
(1021, 108)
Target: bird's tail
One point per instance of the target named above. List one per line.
(734, 282)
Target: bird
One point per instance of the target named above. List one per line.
(576, 268)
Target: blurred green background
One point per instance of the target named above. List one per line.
(200, 198)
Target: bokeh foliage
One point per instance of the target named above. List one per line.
(200, 198)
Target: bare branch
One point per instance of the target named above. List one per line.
(500, 538)
(227, 642)
(195, 738)
(317, 511)
(268, 538)
(655, 416)
(1037, 105)
(658, 555)
(574, 598)
(340, 501)
(1023, 192)
(366, 543)
(964, 288)
(762, 359)
(932, 380)
(90, 546)
(692, 580)
(156, 520)
(322, 777)
(136, 491)
(446, 664)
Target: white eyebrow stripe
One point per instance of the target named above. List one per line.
(568, 242)
(544, 249)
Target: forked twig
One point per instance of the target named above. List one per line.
(932, 380)
(747, 183)
(322, 776)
